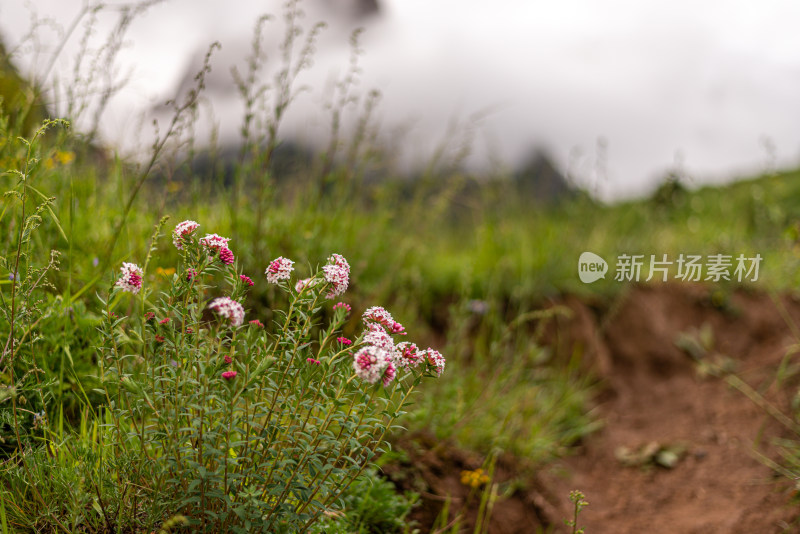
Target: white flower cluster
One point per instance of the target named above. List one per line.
(279, 269)
(215, 242)
(131, 279)
(380, 357)
(337, 273)
(408, 356)
(372, 364)
(181, 230)
(435, 360)
(378, 337)
(379, 315)
(228, 308)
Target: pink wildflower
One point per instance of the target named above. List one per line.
(342, 306)
(159, 339)
(165, 320)
(229, 309)
(226, 255)
(189, 330)
(337, 273)
(344, 341)
(256, 322)
(131, 279)
(435, 360)
(149, 316)
(279, 269)
(313, 361)
(190, 274)
(398, 329)
(181, 231)
(389, 374)
(247, 280)
(338, 259)
(370, 363)
(408, 355)
(229, 375)
(378, 337)
(214, 242)
(228, 359)
(378, 315)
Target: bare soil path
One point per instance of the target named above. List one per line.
(676, 454)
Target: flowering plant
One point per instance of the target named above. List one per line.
(252, 428)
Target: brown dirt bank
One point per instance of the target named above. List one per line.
(660, 407)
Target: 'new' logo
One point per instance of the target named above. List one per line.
(591, 267)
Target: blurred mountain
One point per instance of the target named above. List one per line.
(540, 180)
(367, 7)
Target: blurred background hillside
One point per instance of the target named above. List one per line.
(617, 93)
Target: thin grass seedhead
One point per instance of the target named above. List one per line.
(579, 503)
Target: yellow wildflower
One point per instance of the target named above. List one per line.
(474, 479)
(65, 157)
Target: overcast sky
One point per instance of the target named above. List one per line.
(703, 83)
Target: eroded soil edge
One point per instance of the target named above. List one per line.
(676, 452)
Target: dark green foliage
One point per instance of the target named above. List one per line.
(370, 506)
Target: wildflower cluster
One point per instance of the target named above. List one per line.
(371, 364)
(279, 269)
(229, 309)
(216, 244)
(226, 256)
(337, 274)
(219, 400)
(408, 355)
(378, 337)
(474, 479)
(380, 357)
(342, 306)
(182, 230)
(435, 360)
(131, 279)
(377, 315)
(229, 375)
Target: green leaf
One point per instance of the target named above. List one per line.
(69, 355)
